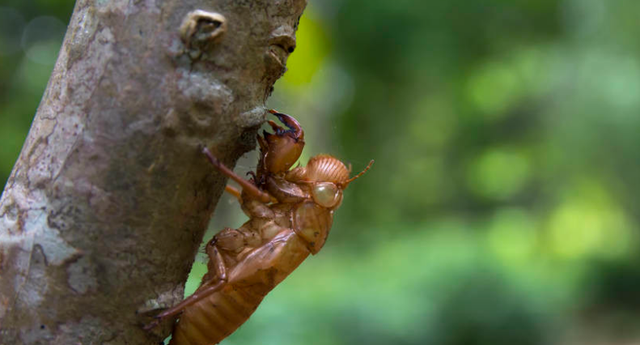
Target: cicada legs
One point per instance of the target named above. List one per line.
(205, 290)
(246, 185)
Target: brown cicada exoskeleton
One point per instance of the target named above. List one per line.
(290, 211)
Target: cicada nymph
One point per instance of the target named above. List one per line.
(290, 214)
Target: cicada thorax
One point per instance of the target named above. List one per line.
(285, 191)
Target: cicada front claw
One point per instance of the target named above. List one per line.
(294, 126)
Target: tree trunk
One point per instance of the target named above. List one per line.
(107, 205)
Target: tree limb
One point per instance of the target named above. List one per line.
(108, 202)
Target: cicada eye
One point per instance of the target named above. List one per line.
(326, 194)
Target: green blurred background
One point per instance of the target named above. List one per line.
(502, 207)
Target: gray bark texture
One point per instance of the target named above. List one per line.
(107, 204)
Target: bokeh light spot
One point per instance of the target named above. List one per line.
(589, 223)
(512, 235)
(42, 38)
(493, 89)
(499, 173)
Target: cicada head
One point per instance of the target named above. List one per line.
(327, 176)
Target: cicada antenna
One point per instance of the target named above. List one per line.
(345, 183)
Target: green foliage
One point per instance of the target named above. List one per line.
(502, 205)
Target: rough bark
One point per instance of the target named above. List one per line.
(107, 204)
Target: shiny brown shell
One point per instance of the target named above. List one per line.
(290, 216)
(323, 167)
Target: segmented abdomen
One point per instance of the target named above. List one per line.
(216, 317)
